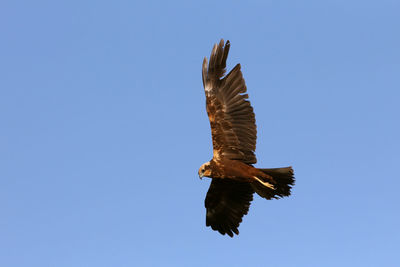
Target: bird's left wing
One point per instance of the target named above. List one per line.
(227, 201)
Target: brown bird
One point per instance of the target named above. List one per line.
(234, 134)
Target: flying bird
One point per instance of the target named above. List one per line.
(234, 134)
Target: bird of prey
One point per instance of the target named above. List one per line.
(233, 130)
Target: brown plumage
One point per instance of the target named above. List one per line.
(234, 134)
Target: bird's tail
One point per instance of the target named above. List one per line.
(284, 180)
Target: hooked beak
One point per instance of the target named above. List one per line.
(201, 176)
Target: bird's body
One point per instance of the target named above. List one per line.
(234, 134)
(235, 170)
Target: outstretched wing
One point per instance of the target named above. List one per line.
(227, 201)
(231, 116)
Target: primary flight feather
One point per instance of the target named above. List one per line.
(234, 134)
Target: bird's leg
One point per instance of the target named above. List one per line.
(271, 186)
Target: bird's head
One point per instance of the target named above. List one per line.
(205, 170)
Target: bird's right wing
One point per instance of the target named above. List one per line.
(232, 119)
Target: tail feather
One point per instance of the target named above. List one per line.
(284, 178)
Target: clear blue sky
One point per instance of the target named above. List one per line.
(103, 129)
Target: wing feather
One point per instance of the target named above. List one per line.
(231, 115)
(227, 201)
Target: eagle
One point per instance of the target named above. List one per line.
(234, 134)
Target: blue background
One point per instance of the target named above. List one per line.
(103, 129)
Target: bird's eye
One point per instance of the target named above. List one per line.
(203, 170)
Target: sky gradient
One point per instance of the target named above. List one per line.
(103, 129)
